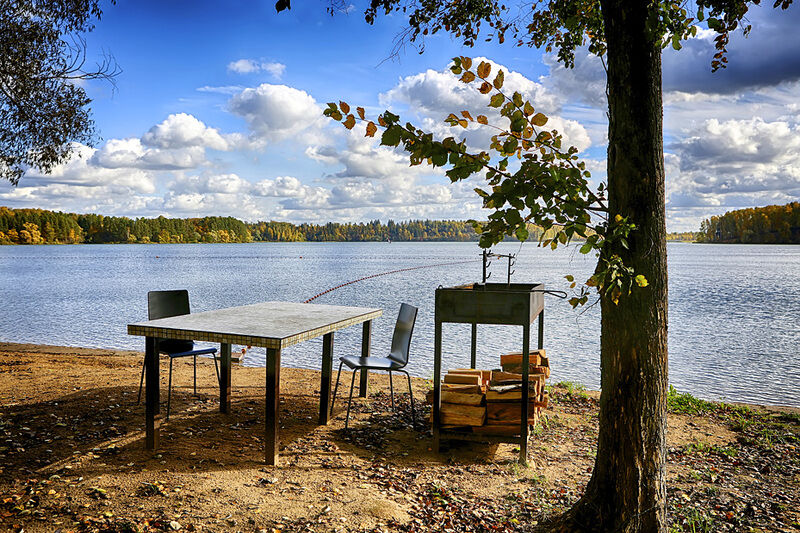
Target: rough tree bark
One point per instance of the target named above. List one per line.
(627, 490)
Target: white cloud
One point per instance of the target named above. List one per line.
(131, 154)
(278, 112)
(251, 66)
(433, 95)
(244, 66)
(182, 130)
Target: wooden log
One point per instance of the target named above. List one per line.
(464, 389)
(462, 415)
(462, 398)
(516, 368)
(466, 379)
(509, 412)
(516, 358)
(508, 378)
(486, 375)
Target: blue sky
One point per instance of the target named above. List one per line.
(217, 111)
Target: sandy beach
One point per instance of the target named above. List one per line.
(72, 457)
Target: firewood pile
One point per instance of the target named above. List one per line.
(490, 401)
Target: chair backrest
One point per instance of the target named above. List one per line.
(164, 304)
(403, 328)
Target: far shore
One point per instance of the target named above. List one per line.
(72, 457)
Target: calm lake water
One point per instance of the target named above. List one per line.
(734, 310)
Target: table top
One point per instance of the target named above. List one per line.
(267, 324)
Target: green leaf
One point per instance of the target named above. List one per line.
(522, 233)
(586, 248)
(496, 100)
(641, 280)
(391, 137)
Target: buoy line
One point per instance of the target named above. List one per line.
(386, 274)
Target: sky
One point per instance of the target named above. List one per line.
(218, 106)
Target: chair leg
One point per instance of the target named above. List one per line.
(411, 396)
(391, 389)
(195, 375)
(169, 388)
(141, 384)
(336, 388)
(216, 365)
(350, 400)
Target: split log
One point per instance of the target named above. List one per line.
(462, 415)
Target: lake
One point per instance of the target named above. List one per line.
(734, 310)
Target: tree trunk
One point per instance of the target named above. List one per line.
(627, 491)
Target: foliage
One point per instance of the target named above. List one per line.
(683, 236)
(39, 226)
(42, 107)
(773, 224)
(532, 178)
(685, 403)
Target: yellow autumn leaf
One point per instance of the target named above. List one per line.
(486, 88)
(349, 122)
(484, 69)
(466, 62)
(466, 115)
(344, 107)
(539, 119)
(360, 111)
(482, 119)
(371, 129)
(467, 77)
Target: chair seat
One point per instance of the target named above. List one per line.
(377, 363)
(203, 351)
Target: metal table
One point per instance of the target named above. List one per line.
(272, 325)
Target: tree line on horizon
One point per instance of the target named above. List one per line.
(775, 224)
(772, 224)
(40, 226)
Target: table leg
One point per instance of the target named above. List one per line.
(152, 400)
(327, 375)
(273, 403)
(366, 341)
(225, 378)
(526, 346)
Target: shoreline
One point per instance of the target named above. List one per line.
(72, 456)
(32, 348)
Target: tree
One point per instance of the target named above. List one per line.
(43, 108)
(627, 489)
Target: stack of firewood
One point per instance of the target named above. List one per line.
(464, 397)
(490, 402)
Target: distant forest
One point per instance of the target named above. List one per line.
(39, 226)
(773, 224)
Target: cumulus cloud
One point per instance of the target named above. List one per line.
(722, 165)
(251, 66)
(182, 130)
(278, 112)
(433, 95)
(132, 154)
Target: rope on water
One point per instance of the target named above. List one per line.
(386, 274)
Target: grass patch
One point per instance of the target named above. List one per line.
(685, 403)
(573, 389)
(707, 448)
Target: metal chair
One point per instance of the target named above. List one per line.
(397, 360)
(164, 304)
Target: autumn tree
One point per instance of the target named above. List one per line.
(43, 107)
(627, 491)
